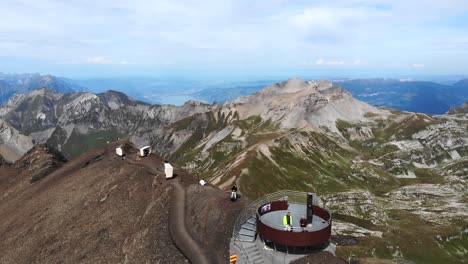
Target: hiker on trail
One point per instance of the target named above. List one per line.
(234, 192)
(303, 223)
(287, 222)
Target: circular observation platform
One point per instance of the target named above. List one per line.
(270, 226)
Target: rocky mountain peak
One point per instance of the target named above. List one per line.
(4, 162)
(40, 161)
(459, 110)
(292, 85)
(13, 144)
(114, 99)
(193, 103)
(296, 103)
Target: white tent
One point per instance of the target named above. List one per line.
(119, 151)
(168, 169)
(145, 151)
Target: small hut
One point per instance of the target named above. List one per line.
(119, 151)
(169, 170)
(145, 151)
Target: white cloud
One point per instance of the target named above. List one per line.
(235, 33)
(319, 62)
(104, 61)
(418, 65)
(335, 62)
(329, 62)
(324, 62)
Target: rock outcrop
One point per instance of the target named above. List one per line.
(296, 103)
(39, 162)
(13, 144)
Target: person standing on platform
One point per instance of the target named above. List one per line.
(303, 223)
(234, 192)
(287, 222)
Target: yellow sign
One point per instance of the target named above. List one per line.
(233, 258)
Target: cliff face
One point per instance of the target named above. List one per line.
(13, 144)
(76, 122)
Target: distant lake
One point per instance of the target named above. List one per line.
(174, 99)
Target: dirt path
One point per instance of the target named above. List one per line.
(177, 227)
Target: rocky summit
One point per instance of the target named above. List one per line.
(395, 181)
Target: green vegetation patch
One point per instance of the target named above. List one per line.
(410, 238)
(95, 159)
(78, 143)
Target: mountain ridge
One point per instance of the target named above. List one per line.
(11, 84)
(308, 136)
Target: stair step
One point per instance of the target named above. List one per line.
(247, 232)
(258, 259)
(252, 221)
(249, 228)
(249, 224)
(244, 238)
(251, 249)
(255, 255)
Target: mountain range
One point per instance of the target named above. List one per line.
(409, 95)
(403, 94)
(381, 171)
(24, 83)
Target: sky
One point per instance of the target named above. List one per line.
(84, 38)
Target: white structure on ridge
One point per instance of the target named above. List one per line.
(119, 151)
(168, 169)
(145, 151)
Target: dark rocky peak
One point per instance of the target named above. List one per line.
(459, 110)
(4, 162)
(114, 99)
(38, 99)
(194, 103)
(48, 81)
(293, 84)
(334, 92)
(40, 161)
(290, 86)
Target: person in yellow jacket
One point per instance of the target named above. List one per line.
(287, 222)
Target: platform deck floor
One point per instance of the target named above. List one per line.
(275, 219)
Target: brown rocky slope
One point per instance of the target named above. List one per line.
(99, 208)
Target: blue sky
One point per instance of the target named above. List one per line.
(82, 38)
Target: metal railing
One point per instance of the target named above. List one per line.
(285, 195)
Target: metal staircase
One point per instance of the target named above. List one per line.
(254, 253)
(248, 230)
(243, 241)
